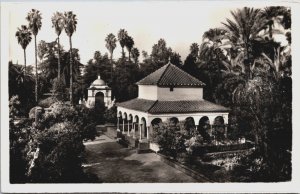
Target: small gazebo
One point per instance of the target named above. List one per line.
(99, 93)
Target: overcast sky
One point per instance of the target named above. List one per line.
(179, 23)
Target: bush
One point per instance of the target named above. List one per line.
(53, 150)
(169, 138)
(110, 115)
(60, 155)
(46, 103)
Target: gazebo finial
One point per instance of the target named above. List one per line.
(99, 77)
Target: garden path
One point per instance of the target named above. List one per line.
(113, 163)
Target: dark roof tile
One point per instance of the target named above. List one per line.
(170, 75)
(160, 107)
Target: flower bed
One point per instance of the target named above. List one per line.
(209, 148)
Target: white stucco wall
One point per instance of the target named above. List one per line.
(152, 92)
(148, 92)
(180, 94)
(91, 98)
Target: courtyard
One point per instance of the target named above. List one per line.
(114, 163)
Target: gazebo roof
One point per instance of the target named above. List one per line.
(98, 84)
(170, 75)
(165, 107)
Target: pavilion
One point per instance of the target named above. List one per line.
(169, 92)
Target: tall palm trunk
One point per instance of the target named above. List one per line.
(71, 72)
(58, 76)
(24, 62)
(111, 68)
(36, 72)
(129, 55)
(270, 30)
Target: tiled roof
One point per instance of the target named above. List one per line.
(170, 75)
(137, 104)
(156, 107)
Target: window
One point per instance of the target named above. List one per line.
(171, 89)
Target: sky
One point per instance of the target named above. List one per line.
(180, 23)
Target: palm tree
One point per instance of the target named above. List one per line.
(24, 37)
(122, 39)
(243, 30)
(129, 45)
(135, 55)
(70, 28)
(213, 47)
(111, 45)
(35, 23)
(58, 24)
(272, 15)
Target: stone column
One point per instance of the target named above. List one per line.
(123, 126)
(118, 124)
(133, 129)
(132, 126)
(225, 132)
(147, 132)
(140, 131)
(128, 128)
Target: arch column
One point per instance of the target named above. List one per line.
(128, 129)
(118, 124)
(140, 128)
(148, 132)
(133, 129)
(210, 127)
(123, 127)
(225, 132)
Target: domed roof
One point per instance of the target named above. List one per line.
(98, 82)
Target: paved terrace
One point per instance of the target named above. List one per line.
(113, 163)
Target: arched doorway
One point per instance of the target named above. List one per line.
(219, 128)
(204, 128)
(99, 100)
(173, 121)
(189, 127)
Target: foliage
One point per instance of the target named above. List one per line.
(110, 115)
(14, 106)
(169, 139)
(22, 86)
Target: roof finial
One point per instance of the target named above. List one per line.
(99, 77)
(169, 59)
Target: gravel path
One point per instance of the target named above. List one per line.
(113, 163)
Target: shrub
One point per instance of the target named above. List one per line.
(169, 138)
(46, 103)
(14, 106)
(110, 115)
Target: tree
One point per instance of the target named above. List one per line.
(42, 49)
(129, 42)
(35, 23)
(194, 50)
(161, 53)
(70, 28)
(58, 24)
(22, 86)
(135, 55)
(122, 35)
(242, 30)
(24, 37)
(111, 45)
(272, 15)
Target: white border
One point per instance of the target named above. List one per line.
(293, 186)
